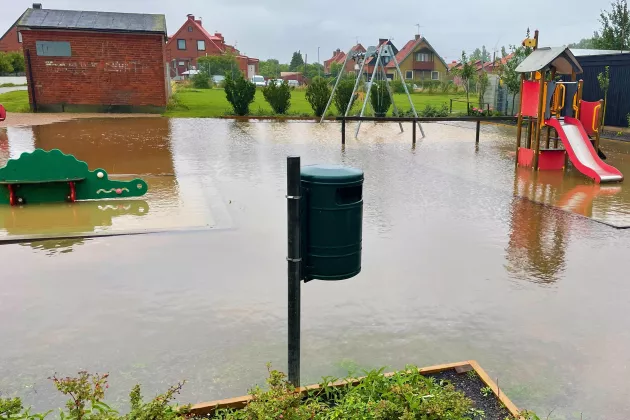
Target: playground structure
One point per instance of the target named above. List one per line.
(557, 106)
(377, 53)
(3, 113)
(52, 176)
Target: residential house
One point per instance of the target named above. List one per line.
(369, 64)
(339, 57)
(418, 61)
(192, 41)
(12, 38)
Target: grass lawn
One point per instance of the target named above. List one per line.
(212, 103)
(16, 101)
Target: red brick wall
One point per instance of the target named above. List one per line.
(10, 41)
(104, 69)
(191, 53)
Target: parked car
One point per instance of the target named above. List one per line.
(278, 82)
(293, 83)
(258, 80)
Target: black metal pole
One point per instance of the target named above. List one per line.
(413, 133)
(31, 81)
(450, 110)
(478, 129)
(294, 259)
(343, 131)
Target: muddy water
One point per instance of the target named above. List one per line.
(464, 258)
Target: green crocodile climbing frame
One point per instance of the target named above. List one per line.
(52, 176)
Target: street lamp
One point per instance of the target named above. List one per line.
(318, 61)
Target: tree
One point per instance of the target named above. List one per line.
(485, 55)
(278, 95)
(270, 69)
(482, 86)
(476, 55)
(5, 63)
(465, 72)
(335, 68)
(201, 81)
(504, 52)
(297, 63)
(313, 70)
(615, 32)
(17, 61)
(223, 64)
(604, 83)
(586, 43)
(343, 94)
(317, 94)
(240, 93)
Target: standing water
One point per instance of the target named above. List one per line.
(464, 258)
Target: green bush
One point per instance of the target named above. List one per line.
(431, 111)
(317, 94)
(399, 87)
(278, 96)
(201, 81)
(446, 86)
(240, 93)
(379, 98)
(628, 117)
(343, 95)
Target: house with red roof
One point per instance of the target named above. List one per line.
(369, 64)
(418, 61)
(339, 57)
(192, 41)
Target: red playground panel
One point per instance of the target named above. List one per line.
(590, 116)
(529, 103)
(525, 157)
(3, 113)
(551, 160)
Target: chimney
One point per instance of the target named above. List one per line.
(37, 5)
(199, 21)
(190, 17)
(417, 37)
(382, 41)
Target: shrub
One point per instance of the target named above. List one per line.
(201, 81)
(317, 94)
(446, 86)
(278, 96)
(628, 117)
(399, 87)
(240, 93)
(343, 95)
(431, 111)
(379, 98)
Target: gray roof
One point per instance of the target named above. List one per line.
(559, 57)
(93, 21)
(586, 52)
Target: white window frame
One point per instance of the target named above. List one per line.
(178, 47)
(421, 55)
(437, 75)
(19, 37)
(201, 42)
(407, 73)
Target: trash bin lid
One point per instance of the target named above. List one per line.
(332, 174)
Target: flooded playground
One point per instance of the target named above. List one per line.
(464, 257)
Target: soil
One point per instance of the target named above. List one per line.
(471, 387)
(614, 135)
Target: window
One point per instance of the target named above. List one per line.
(19, 37)
(201, 45)
(181, 44)
(409, 74)
(423, 57)
(435, 75)
(181, 63)
(190, 29)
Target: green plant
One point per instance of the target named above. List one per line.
(317, 94)
(471, 374)
(240, 93)
(482, 86)
(379, 98)
(628, 118)
(466, 72)
(486, 391)
(278, 96)
(6, 65)
(218, 65)
(201, 81)
(433, 111)
(446, 86)
(343, 95)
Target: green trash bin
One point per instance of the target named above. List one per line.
(332, 222)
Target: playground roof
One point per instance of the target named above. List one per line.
(543, 58)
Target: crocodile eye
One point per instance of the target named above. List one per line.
(139, 186)
(100, 174)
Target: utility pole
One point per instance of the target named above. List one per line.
(318, 63)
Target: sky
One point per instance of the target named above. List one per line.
(276, 28)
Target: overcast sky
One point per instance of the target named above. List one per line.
(275, 28)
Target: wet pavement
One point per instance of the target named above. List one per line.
(464, 258)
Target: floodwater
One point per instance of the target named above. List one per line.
(464, 258)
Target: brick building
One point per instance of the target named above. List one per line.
(192, 41)
(12, 39)
(80, 61)
(339, 57)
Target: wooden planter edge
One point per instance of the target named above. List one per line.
(208, 408)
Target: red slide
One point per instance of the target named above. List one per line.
(581, 151)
